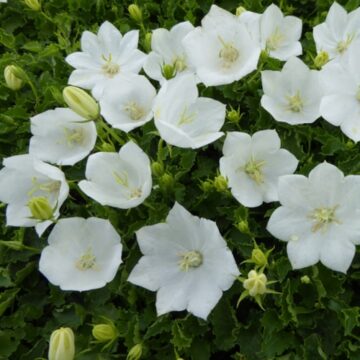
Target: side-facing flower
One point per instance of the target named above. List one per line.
(121, 180)
(339, 31)
(61, 136)
(293, 94)
(221, 50)
(340, 105)
(183, 118)
(104, 56)
(253, 165)
(167, 50)
(24, 178)
(83, 254)
(319, 217)
(127, 104)
(186, 261)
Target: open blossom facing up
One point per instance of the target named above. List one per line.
(25, 180)
(167, 50)
(293, 94)
(338, 33)
(183, 118)
(83, 254)
(221, 50)
(103, 57)
(340, 105)
(186, 261)
(121, 180)
(127, 104)
(61, 136)
(319, 217)
(253, 165)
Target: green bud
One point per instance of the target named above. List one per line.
(135, 13)
(168, 71)
(104, 332)
(350, 144)
(33, 4)
(167, 182)
(220, 183)
(81, 102)
(206, 185)
(305, 279)
(13, 81)
(243, 226)
(147, 41)
(234, 115)
(107, 147)
(239, 10)
(135, 352)
(258, 258)
(62, 345)
(157, 168)
(321, 59)
(40, 208)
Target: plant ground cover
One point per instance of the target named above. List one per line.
(315, 313)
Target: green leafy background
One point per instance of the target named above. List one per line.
(315, 320)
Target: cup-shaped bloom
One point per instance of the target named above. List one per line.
(318, 217)
(167, 50)
(183, 118)
(127, 104)
(83, 254)
(121, 180)
(339, 31)
(293, 94)
(221, 50)
(340, 105)
(253, 165)
(23, 178)
(61, 136)
(104, 56)
(62, 344)
(186, 261)
(13, 82)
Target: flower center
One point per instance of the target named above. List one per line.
(343, 45)
(274, 41)
(86, 261)
(322, 217)
(358, 94)
(228, 54)
(190, 259)
(110, 68)
(135, 111)
(295, 103)
(186, 118)
(74, 136)
(51, 187)
(135, 193)
(254, 170)
(122, 178)
(180, 64)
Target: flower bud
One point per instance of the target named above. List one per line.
(255, 283)
(166, 181)
(104, 332)
(135, 352)
(206, 185)
(233, 115)
(135, 13)
(258, 257)
(220, 183)
(157, 168)
(321, 59)
(305, 279)
(243, 226)
(62, 345)
(13, 82)
(239, 10)
(40, 208)
(147, 41)
(168, 71)
(107, 147)
(81, 102)
(33, 4)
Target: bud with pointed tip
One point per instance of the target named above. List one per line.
(13, 82)
(105, 332)
(135, 352)
(135, 13)
(147, 41)
(40, 208)
(62, 345)
(33, 4)
(321, 59)
(220, 183)
(157, 168)
(239, 10)
(168, 71)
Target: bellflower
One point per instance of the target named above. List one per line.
(127, 104)
(319, 217)
(293, 94)
(61, 136)
(121, 180)
(186, 261)
(253, 165)
(221, 50)
(25, 179)
(83, 254)
(183, 118)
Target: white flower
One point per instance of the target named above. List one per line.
(127, 104)
(183, 118)
(103, 57)
(121, 180)
(293, 94)
(253, 165)
(337, 34)
(340, 105)
(167, 49)
(61, 136)
(83, 254)
(24, 178)
(319, 217)
(186, 261)
(221, 50)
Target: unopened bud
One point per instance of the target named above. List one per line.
(135, 13)
(258, 257)
(321, 59)
(239, 10)
(135, 352)
(168, 71)
(33, 4)
(40, 208)
(81, 102)
(220, 183)
(255, 283)
(147, 41)
(166, 181)
(104, 332)
(157, 168)
(107, 147)
(13, 82)
(206, 185)
(233, 115)
(243, 226)
(62, 345)
(305, 279)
